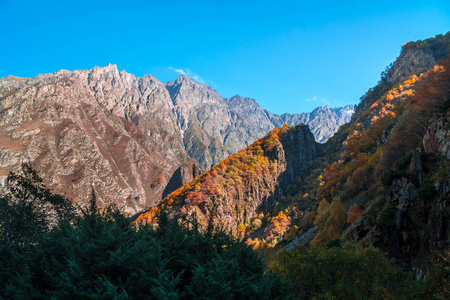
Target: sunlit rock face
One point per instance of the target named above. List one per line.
(115, 133)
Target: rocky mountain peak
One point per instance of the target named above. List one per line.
(408, 62)
(108, 68)
(236, 97)
(239, 100)
(184, 79)
(323, 121)
(150, 78)
(108, 74)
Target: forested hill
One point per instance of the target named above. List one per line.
(391, 174)
(385, 180)
(237, 193)
(382, 180)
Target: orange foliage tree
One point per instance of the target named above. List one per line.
(354, 213)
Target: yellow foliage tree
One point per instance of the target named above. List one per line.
(336, 219)
(321, 212)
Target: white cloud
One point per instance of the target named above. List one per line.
(180, 71)
(194, 76)
(316, 98)
(312, 99)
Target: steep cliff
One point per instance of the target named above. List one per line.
(383, 178)
(181, 176)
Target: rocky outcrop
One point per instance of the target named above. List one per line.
(302, 240)
(419, 55)
(402, 193)
(408, 62)
(361, 227)
(437, 137)
(416, 168)
(420, 228)
(415, 58)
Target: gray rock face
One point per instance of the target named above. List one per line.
(250, 118)
(402, 194)
(302, 240)
(416, 168)
(72, 128)
(421, 225)
(116, 133)
(181, 176)
(361, 227)
(437, 137)
(300, 147)
(408, 62)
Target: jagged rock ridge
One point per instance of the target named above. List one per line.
(323, 121)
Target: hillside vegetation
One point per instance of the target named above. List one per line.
(387, 183)
(88, 253)
(380, 180)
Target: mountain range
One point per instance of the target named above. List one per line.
(130, 140)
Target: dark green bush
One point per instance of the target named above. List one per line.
(334, 243)
(442, 106)
(347, 273)
(100, 254)
(389, 176)
(103, 255)
(427, 190)
(403, 162)
(387, 217)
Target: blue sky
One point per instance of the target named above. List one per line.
(291, 56)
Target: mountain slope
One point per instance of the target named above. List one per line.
(387, 179)
(383, 179)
